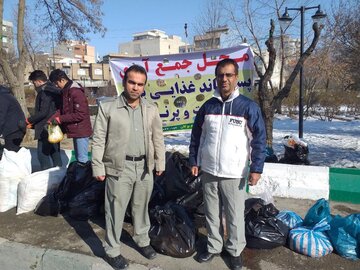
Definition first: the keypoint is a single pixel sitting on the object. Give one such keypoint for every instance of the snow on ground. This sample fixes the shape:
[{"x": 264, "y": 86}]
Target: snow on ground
[{"x": 331, "y": 144}]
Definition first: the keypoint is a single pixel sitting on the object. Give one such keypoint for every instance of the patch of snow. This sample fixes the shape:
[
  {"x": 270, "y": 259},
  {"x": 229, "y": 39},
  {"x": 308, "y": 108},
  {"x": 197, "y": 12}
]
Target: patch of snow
[{"x": 331, "y": 144}]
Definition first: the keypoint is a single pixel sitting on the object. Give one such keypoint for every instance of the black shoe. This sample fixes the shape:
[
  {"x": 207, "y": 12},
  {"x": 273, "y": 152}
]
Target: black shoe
[
  {"x": 235, "y": 262},
  {"x": 117, "y": 263},
  {"x": 148, "y": 252},
  {"x": 206, "y": 257}
]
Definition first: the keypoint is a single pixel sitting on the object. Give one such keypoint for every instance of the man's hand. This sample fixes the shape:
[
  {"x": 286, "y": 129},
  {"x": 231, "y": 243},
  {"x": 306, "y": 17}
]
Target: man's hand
[
  {"x": 100, "y": 178},
  {"x": 158, "y": 173},
  {"x": 28, "y": 124},
  {"x": 54, "y": 121},
  {"x": 254, "y": 178},
  {"x": 195, "y": 170}
]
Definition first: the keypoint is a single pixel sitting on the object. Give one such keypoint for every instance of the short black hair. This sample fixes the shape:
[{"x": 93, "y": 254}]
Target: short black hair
[
  {"x": 225, "y": 62},
  {"x": 135, "y": 68},
  {"x": 58, "y": 74},
  {"x": 37, "y": 75}
]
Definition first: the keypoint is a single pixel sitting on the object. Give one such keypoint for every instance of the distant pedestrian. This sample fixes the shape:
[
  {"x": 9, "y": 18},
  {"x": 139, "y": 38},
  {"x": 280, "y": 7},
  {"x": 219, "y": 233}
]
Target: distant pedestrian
[
  {"x": 12, "y": 120},
  {"x": 48, "y": 100},
  {"x": 227, "y": 139},
  {"x": 127, "y": 145},
  {"x": 74, "y": 115}
]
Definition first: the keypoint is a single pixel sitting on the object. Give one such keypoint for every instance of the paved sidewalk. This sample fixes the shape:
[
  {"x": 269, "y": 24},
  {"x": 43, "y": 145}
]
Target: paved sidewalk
[{"x": 29, "y": 241}]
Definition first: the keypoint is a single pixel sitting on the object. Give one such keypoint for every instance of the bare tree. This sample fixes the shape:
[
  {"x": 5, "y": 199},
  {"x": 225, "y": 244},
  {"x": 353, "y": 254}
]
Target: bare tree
[
  {"x": 249, "y": 25},
  {"x": 211, "y": 18},
  {"x": 67, "y": 18},
  {"x": 344, "y": 25}
]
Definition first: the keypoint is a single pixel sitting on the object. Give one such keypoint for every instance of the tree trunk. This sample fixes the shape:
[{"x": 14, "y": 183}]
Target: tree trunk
[
  {"x": 265, "y": 96},
  {"x": 15, "y": 76}
]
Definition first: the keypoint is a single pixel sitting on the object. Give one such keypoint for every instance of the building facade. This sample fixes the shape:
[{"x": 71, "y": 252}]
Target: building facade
[
  {"x": 7, "y": 37},
  {"x": 211, "y": 39},
  {"x": 72, "y": 51},
  {"x": 152, "y": 42}
]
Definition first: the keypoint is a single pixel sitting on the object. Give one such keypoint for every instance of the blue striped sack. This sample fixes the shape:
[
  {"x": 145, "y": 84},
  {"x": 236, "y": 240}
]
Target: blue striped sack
[
  {"x": 290, "y": 218},
  {"x": 312, "y": 242}
]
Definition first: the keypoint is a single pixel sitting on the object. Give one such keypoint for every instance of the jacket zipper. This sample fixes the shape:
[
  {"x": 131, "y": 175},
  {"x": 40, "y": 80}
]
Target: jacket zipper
[{"x": 219, "y": 139}]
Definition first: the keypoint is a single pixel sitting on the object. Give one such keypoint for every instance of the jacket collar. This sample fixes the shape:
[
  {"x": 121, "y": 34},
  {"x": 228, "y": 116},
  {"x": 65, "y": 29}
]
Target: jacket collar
[
  {"x": 233, "y": 95},
  {"x": 122, "y": 102}
]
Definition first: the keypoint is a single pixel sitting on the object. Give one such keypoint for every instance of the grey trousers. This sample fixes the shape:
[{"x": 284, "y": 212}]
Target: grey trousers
[
  {"x": 133, "y": 185},
  {"x": 228, "y": 193}
]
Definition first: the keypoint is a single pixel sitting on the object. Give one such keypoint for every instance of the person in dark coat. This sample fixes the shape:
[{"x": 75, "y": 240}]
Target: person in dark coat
[
  {"x": 12, "y": 120},
  {"x": 47, "y": 101},
  {"x": 74, "y": 115}
]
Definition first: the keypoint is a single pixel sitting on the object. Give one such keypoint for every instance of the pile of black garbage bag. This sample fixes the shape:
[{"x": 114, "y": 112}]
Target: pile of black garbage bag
[
  {"x": 176, "y": 208},
  {"x": 79, "y": 194},
  {"x": 296, "y": 152},
  {"x": 263, "y": 230}
]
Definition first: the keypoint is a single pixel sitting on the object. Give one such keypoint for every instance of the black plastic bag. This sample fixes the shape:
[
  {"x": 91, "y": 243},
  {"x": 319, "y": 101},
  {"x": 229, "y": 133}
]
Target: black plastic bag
[
  {"x": 79, "y": 194},
  {"x": 194, "y": 205},
  {"x": 88, "y": 203},
  {"x": 270, "y": 155},
  {"x": 296, "y": 151},
  {"x": 178, "y": 179},
  {"x": 262, "y": 229},
  {"x": 48, "y": 206},
  {"x": 297, "y": 155},
  {"x": 172, "y": 232},
  {"x": 78, "y": 177}
]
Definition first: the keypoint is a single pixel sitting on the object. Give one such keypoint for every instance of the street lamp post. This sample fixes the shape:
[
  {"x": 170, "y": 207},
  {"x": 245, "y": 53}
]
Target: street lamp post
[{"x": 285, "y": 21}]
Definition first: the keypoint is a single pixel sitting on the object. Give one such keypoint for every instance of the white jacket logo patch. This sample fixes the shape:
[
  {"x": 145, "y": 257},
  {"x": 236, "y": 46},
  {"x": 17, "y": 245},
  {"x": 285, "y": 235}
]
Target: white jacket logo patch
[{"x": 235, "y": 122}]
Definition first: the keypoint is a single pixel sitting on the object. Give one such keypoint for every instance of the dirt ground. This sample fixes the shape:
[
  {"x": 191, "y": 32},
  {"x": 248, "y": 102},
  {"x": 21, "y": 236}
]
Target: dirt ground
[{"x": 86, "y": 237}]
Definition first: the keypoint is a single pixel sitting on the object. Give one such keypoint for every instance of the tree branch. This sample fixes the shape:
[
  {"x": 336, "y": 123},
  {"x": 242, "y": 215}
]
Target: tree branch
[{"x": 284, "y": 92}]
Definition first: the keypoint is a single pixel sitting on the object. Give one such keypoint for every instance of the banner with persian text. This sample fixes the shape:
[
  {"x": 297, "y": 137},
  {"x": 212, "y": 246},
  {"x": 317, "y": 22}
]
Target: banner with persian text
[{"x": 180, "y": 83}]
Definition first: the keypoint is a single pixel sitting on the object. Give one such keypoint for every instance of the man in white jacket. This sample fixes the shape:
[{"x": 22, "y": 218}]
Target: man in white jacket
[{"x": 227, "y": 139}]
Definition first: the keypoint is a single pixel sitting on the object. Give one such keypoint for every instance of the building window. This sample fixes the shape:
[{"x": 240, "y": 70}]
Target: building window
[
  {"x": 81, "y": 72},
  {"x": 98, "y": 71}
]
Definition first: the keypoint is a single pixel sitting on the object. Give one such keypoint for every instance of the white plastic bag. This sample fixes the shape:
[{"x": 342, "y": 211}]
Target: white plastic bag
[
  {"x": 37, "y": 185},
  {"x": 55, "y": 134},
  {"x": 14, "y": 166}
]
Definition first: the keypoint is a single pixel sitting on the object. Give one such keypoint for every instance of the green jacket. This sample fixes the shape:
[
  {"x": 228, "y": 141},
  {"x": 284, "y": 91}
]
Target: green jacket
[{"x": 111, "y": 134}]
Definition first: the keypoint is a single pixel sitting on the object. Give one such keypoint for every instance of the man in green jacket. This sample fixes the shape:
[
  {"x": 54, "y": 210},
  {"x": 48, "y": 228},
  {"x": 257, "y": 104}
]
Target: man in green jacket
[{"x": 127, "y": 145}]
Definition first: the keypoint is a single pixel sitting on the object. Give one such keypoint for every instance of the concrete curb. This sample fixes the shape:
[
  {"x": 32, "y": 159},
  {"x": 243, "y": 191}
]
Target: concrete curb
[
  {"x": 288, "y": 181},
  {"x": 17, "y": 256},
  {"x": 293, "y": 181}
]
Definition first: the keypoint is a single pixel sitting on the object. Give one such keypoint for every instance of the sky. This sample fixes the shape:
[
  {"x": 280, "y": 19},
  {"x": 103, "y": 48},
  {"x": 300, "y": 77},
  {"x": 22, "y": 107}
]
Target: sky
[{"x": 124, "y": 18}]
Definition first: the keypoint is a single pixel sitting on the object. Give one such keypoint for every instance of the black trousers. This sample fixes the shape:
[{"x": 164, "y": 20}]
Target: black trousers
[{"x": 48, "y": 154}]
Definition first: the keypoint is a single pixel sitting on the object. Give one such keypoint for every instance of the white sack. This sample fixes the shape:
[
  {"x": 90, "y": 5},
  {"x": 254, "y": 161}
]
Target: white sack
[
  {"x": 14, "y": 166},
  {"x": 37, "y": 185}
]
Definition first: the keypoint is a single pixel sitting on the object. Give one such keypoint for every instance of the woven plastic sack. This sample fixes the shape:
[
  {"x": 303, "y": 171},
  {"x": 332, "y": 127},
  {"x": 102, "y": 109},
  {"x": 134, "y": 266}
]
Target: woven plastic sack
[
  {"x": 14, "y": 166},
  {"x": 312, "y": 242},
  {"x": 37, "y": 185},
  {"x": 55, "y": 133},
  {"x": 290, "y": 218}
]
